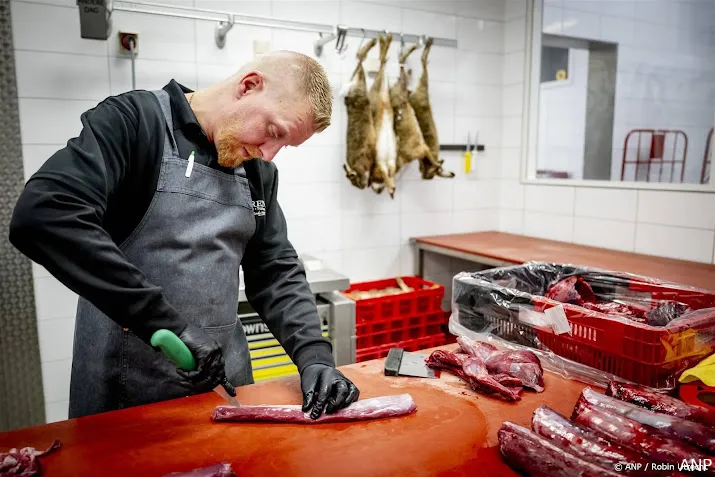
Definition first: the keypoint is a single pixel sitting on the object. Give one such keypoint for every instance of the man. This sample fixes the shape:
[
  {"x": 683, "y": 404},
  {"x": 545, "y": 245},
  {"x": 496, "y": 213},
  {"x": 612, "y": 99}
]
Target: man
[{"x": 148, "y": 214}]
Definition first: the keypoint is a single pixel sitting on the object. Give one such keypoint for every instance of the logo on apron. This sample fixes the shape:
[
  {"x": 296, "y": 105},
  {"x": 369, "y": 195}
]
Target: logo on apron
[{"x": 259, "y": 207}]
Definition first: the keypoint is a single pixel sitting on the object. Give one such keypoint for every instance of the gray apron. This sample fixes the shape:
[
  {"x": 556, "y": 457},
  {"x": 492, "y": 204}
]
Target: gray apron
[{"x": 190, "y": 242}]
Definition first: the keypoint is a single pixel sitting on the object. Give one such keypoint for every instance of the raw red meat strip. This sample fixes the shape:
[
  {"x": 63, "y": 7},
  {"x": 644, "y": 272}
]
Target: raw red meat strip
[
  {"x": 523, "y": 365},
  {"x": 658, "y": 402},
  {"x": 574, "y": 290},
  {"x": 506, "y": 380},
  {"x": 373, "y": 408},
  {"x": 479, "y": 349},
  {"x": 23, "y": 462},
  {"x": 217, "y": 470},
  {"x": 695, "y": 433},
  {"x": 525, "y": 451},
  {"x": 585, "y": 443},
  {"x": 473, "y": 371},
  {"x": 633, "y": 434},
  {"x": 477, "y": 371}
]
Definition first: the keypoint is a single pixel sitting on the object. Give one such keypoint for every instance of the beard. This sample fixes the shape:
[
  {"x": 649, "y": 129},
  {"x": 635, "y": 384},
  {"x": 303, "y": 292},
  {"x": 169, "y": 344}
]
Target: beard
[{"x": 231, "y": 151}]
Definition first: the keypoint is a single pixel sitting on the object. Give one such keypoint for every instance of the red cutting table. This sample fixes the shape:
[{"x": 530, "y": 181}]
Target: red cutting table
[
  {"x": 452, "y": 433},
  {"x": 502, "y": 249}
]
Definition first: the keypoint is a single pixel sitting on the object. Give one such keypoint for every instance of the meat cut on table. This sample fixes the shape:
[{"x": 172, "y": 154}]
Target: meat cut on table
[
  {"x": 472, "y": 370},
  {"x": 23, "y": 462},
  {"x": 520, "y": 364},
  {"x": 586, "y": 444},
  {"x": 221, "y": 469},
  {"x": 658, "y": 402},
  {"x": 692, "y": 432},
  {"x": 528, "y": 452},
  {"x": 363, "y": 410},
  {"x": 628, "y": 432}
]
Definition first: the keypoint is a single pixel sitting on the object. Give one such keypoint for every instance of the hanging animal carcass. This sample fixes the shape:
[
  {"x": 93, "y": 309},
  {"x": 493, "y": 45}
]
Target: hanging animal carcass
[
  {"x": 385, "y": 167},
  {"x": 410, "y": 143},
  {"x": 360, "y": 153},
  {"x": 431, "y": 165}
]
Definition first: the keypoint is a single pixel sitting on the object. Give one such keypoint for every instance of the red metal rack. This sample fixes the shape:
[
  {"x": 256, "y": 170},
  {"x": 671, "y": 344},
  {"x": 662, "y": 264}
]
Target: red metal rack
[{"x": 655, "y": 151}]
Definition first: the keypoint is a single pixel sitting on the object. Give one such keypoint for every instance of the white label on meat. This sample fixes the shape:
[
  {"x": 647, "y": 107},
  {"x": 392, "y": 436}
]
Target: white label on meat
[
  {"x": 557, "y": 317},
  {"x": 533, "y": 318}
]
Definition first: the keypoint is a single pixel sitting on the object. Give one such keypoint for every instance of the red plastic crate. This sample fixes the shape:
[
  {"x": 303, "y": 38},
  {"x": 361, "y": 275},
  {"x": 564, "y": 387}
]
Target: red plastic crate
[
  {"x": 404, "y": 317},
  {"x": 638, "y": 352},
  {"x": 426, "y": 298},
  {"x": 389, "y": 330},
  {"x": 379, "y": 352},
  {"x": 641, "y": 343},
  {"x": 653, "y": 375}
]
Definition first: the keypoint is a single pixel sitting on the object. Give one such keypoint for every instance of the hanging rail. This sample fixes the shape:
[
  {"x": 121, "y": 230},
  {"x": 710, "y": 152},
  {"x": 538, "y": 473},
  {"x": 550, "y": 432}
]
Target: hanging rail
[{"x": 226, "y": 20}]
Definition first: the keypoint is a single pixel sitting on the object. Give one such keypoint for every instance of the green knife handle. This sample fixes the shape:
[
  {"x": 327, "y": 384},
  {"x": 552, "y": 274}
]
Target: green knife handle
[{"x": 174, "y": 349}]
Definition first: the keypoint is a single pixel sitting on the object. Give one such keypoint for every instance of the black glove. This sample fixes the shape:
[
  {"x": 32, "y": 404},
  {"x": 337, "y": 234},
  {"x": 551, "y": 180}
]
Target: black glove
[
  {"x": 326, "y": 388},
  {"x": 210, "y": 368}
]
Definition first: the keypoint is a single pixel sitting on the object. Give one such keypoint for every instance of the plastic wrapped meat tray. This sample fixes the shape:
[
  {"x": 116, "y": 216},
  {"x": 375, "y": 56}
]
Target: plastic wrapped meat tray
[{"x": 586, "y": 323}]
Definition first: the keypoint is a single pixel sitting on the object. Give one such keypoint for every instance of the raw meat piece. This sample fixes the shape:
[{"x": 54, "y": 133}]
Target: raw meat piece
[
  {"x": 476, "y": 348},
  {"x": 23, "y": 462},
  {"x": 523, "y": 364},
  {"x": 525, "y": 451},
  {"x": 629, "y": 311},
  {"x": 633, "y": 434},
  {"x": 506, "y": 380},
  {"x": 373, "y": 408},
  {"x": 216, "y": 470},
  {"x": 695, "y": 433},
  {"x": 585, "y": 443},
  {"x": 658, "y": 402},
  {"x": 475, "y": 369},
  {"x": 665, "y": 313},
  {"x": 574, "y": 290},
  {"x": 472, "y": 370}
]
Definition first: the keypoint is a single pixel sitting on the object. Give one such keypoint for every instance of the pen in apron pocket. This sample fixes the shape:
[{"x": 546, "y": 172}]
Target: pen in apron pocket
[{"x": 191, "y": 164}]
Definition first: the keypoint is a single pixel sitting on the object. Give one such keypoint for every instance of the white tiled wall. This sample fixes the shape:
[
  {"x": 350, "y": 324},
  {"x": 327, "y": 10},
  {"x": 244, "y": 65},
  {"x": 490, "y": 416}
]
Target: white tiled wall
[
  {"x": 326, "y": 215},
  {"x": 671, "y": 224}
]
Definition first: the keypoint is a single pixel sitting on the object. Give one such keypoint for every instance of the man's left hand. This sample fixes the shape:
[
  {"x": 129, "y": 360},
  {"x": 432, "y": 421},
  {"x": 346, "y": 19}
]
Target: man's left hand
[{"x": 326, "y": 388}]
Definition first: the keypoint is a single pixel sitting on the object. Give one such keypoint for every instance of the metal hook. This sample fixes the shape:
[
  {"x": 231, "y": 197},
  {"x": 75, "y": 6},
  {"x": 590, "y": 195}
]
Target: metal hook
[
  {"x": 322, "y": 41},
  {"x": 221, "y": 30},
  {"x": 340, "y": 45},
  {"x": 363, "y": 38}
]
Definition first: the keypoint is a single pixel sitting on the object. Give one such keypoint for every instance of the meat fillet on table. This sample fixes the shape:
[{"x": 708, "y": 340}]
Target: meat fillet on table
[
  {"x": 628, "y": 432},
  {"x": 659, "y": 402},
  {"x": 528, "y": 452},
  {"x": 366, "y": 409},
  {"x": 693, "y": 432},
  {"x": 588, "y": 445}
]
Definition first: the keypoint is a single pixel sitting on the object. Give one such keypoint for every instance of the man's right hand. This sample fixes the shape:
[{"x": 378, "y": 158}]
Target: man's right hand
[{"x": 210, "y": 367}]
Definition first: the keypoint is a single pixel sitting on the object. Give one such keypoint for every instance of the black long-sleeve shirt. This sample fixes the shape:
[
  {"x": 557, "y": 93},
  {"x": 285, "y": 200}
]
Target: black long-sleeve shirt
[{"x": 90, "y": 195}]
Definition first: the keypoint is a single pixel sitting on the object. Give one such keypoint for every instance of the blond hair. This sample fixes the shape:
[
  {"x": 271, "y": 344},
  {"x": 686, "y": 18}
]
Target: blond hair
[{"x": 309, "y": 77}]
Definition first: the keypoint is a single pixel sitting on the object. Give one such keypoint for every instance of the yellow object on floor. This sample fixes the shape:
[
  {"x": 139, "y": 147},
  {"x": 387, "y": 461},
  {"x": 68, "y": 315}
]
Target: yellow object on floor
[{"x": 703, "y": 371}]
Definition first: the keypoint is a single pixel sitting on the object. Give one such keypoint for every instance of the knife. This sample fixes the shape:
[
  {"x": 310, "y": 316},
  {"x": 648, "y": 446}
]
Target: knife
[{"x": 178, "y": 353}]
